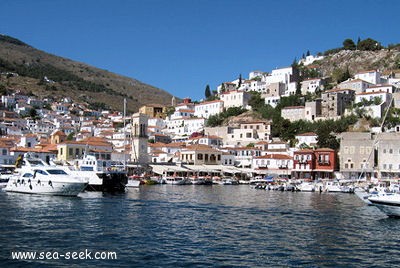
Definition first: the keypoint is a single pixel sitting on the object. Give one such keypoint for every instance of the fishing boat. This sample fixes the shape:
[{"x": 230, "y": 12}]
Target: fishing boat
[
  {"x": 103, "y": 175},
  {"x": 34, "y": 176}
]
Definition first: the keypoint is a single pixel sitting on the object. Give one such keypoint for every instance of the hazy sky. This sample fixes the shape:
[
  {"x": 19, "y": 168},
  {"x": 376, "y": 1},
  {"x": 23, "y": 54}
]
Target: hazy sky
[{"x": 183, "y": 45}]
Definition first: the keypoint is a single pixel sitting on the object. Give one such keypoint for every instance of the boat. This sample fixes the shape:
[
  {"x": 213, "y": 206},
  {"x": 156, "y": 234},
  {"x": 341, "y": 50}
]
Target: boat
[
  {"x": 4, "y": 177},
  {"x": 306, "y": 186},
  {"x": 175, "y": 180},
  {"x": 133, "y": 182},
  {"x": 228, "y": 181},
  {"x": 195, "y": 180},
  {"x": 103, "y": 175},
  {"x": 34, "y": 176},
  {"x": 388, "y": 203}
]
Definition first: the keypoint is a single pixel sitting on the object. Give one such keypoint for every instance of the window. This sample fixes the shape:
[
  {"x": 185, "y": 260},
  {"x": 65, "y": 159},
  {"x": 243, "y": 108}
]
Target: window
[
  {"x": 384, "y": 151},
  {"x": 70, "y": 151},
  {"x": 4, "y": 151},
  {"x": 390, "y": 151}
]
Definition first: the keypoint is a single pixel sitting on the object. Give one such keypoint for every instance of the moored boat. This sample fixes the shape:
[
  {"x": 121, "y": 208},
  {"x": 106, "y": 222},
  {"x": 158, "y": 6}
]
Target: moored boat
[
  {"x": 34, "y": 176},
  {"x": 388, "y": 203}
]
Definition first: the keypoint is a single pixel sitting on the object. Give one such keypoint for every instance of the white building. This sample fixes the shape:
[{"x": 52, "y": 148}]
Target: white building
[
  {"x": 311, "y": 85},
  {"x": 206, "y": 109},
  {"x": 293, "y": 113},
  {"x": 372, "y": 76},
  {"x": 378, "y": 88},
  {"x": 235, "y": 99},
  {"x": 358, "y": 85},
  {"x": 310, "y": 139}
]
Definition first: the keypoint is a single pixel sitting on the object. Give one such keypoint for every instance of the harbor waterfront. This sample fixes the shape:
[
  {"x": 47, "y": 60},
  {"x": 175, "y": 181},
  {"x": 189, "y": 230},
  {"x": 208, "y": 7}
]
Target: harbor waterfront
[{"x": 199, "y": 226}]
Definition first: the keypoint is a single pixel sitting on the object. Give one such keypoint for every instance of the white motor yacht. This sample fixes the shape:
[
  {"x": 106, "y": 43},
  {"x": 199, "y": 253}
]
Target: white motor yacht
[
  {"x": 389, "y": 203},
  {"x": 34, "y": 176}
]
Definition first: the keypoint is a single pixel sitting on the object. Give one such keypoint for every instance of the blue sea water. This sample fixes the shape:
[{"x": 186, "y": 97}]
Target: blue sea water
[{"x": 199, "y": 226}]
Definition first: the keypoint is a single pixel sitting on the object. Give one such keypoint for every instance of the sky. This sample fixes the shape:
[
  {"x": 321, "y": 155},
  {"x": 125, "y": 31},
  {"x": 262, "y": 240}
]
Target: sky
[{"x": 182, "y": 46}]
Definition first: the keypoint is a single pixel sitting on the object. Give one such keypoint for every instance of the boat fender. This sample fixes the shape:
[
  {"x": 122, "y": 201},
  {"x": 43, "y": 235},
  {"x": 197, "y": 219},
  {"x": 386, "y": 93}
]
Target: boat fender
[
  {"x": 18, "y": 181},
  {"x": 38, "y": 182},
  {"x": 23, "y": 181},
  {"x": 29, "y": 180},
  {"x": 50, "y": 183},
  {"x": 30, "y": 186}
]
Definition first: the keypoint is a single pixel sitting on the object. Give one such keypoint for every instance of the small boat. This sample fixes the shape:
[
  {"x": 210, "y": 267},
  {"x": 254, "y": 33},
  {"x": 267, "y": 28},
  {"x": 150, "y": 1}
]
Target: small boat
[
  {"x": 175, "y": 180},
  {"x": 333, "y": 187},
  {"x": 197, "y": 180},
  {"x": 34, "y": 176},
  {"x": 389, "y": 203},
  {"x": 306, "y": 186},
  {"x": 133, "y": 182}
]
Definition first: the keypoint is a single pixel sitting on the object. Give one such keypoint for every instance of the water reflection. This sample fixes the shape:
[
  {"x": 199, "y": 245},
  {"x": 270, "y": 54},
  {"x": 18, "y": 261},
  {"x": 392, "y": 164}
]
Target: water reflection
[{"x": 165, "y": 226}]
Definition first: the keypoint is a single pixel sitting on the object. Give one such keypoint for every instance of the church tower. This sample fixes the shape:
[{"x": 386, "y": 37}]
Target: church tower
[{"x": 139, "y": 138}]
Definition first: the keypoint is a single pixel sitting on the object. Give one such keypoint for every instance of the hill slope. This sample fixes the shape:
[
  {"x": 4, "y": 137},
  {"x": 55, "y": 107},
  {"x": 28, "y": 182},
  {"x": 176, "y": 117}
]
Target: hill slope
[
  {"x": 77, "y": 80},
  {"x": 357, "y": 61}
]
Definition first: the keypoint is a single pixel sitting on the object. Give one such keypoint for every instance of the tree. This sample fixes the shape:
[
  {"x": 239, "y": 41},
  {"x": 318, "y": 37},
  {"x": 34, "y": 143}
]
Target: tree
[
  {"x": 240, "y": 81},
  {"x": 348, "y": 44},
  {"x": 369, "y": 45},
  {"x": 207, "y": 92},
  {"x": 223, "y": 88},
  {"x": 308, "y": 53}
]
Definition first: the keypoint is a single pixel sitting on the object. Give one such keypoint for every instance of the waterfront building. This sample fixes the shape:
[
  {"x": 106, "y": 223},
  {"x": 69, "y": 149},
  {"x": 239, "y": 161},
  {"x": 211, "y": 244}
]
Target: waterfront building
[
  {"x": 303, "y": 164},
  {"x": 356, "y": 157},
  {"x": 273, "y": 164},
  {"x": 314, "y": 164},
  {"x": 200, "y": 154},
  {"x": 388, "y": 153}
]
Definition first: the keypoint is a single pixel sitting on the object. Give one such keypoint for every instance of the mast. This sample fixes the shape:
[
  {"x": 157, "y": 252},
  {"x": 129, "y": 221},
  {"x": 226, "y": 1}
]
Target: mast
[{"x": 124, "y": 151}]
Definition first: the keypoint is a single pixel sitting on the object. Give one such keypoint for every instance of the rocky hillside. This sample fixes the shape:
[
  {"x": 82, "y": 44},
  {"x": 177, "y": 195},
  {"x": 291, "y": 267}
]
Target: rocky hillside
[
  {"x": 356, "y": 61},
  {"x": 66, "y": 77}
]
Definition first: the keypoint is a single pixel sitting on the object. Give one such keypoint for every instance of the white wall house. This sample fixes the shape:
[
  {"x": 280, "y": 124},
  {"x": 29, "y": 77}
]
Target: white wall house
[
  {"x": 372, "y": 76},
  {"x": 309, "y": 139},
  {"x": 377, "y": 88},
  {"x": 358, "y": 85},
  {"x": 293, "y": 113},
  {"x": 273, "y": 163},
  {"x": 311, "y": 85},
  {"x": 206, "y": 109},
  {"x": 235, "y": 99}
]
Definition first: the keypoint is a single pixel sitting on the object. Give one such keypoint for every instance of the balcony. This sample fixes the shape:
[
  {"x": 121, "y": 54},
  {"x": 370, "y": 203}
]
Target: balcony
[{"x": 324, "y": 163}]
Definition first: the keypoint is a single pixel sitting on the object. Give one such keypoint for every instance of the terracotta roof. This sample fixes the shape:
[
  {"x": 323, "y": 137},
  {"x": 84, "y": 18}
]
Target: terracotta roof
[
  {"x": 274, "y": 156},
  {"x": 294, "y": 107},
  {"x": 307, "y": 134},
  {"x": 371, "y": 93}
]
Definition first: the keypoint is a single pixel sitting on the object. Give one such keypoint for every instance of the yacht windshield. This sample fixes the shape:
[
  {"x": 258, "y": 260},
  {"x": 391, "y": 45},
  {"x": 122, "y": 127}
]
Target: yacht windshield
[{"x": 56, "y": 172}]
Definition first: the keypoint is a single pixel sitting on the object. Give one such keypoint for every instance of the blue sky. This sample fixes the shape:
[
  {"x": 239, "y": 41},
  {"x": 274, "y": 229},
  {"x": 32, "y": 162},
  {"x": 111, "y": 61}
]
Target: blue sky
[{"x": 183, "y": 45}]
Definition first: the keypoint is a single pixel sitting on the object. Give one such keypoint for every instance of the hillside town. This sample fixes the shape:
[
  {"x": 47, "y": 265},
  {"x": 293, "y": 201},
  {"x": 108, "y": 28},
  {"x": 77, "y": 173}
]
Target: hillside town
[{"x": 158, "y": 138}]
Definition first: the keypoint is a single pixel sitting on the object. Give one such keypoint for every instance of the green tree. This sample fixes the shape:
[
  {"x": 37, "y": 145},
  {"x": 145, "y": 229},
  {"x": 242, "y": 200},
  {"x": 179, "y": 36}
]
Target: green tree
[
  {"x": 207, "y": 92},
  {"x": 369, "y": 44},
  {"x": 348, "y": 44},
  {"x": 240, "y": 81},
  {"x": 70, "y": 136},
  {"x": 308, "y": 53}
]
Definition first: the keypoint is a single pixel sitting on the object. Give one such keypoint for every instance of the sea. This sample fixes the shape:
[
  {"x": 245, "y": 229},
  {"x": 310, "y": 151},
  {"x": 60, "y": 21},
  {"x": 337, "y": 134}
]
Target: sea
[{"x": 196, "y": 226}]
